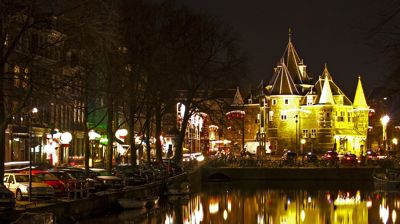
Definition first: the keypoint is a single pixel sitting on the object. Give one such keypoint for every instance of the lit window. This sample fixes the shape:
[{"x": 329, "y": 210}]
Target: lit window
[
  {"x": 283, "y": 116},
  {"x": 309, "y": 100},
  {"x": 16, "y": 69},
  {"x": 305, "y": 133},
  {"x": 313, "y": 133}
]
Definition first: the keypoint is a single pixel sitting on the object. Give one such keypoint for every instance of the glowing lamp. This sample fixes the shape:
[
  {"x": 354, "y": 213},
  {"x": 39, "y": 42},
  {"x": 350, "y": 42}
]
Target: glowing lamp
[{"x": 66, "y": 138}]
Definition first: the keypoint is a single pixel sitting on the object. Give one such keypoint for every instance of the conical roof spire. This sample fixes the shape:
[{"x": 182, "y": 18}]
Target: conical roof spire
[
  {"x": 326, "y": 94},
  {"x": 237, "y": 100},
  {"x": 326, "y": 73},
  {"x": 282, "y": 83},
  {"x": 359, "y": 98},
  {"x": 294, "y": 63}
]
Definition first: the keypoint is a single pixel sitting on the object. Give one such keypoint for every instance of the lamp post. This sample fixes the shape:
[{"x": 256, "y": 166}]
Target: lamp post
[
  {"x": 297, "y": 121},
  {"x": 92, "y": 137},
  {"x": 395, "y": 142},
  {"x": 302, "y": 141},
  {"x": 384, "y": 120},
  {"x": 34, "y": 111}
]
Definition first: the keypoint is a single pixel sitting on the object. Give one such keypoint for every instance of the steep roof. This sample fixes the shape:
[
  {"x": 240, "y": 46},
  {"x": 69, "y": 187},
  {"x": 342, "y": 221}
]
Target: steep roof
[
  {"x": 294, "y": 64},
  {"x": 334, "y": 88},
  {"x": 359, "y": 98},
  {"x": 237, "y": 99},
  {"x": 282, "y": 82},
  {"x": 326, "y": 94}
]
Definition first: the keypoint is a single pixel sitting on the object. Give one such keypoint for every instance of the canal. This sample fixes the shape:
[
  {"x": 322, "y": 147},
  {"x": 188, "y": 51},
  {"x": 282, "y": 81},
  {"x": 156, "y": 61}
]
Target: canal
[{"x": 268, "y": 202}]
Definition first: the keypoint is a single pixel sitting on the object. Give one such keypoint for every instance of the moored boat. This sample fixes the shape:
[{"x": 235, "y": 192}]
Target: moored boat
[
  {"x": 130, "y": 203},
  {"x": 388, "y": 180},
  {"x": 152, "y": 201}
]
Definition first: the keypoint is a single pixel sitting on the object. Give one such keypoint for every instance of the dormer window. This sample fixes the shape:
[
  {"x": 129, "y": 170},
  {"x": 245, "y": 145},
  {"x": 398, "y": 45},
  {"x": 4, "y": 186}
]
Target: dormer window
[{"x": 309, "y": 100}]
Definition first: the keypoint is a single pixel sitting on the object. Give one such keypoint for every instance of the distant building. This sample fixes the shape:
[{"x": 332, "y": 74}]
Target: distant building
[{"x": 301, "y": 115}]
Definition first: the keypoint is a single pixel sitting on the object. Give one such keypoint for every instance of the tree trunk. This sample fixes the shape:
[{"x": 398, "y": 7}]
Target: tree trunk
[
  {"x": 110, "y": 136},
  {"x": 131, "y": 123},
  {"x": 147, "y": 128},
  {"x": 86, "y": 143},
  {"x": 181, "y": 138},
  {"x": 158, "y": 132},
  {"x": 3, "y": 127}
]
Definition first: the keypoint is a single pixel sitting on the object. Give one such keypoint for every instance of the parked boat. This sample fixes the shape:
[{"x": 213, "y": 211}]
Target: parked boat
[
  {"x": 387, "y": 180},
  {"x": 178, "y": 189},
  {"x": 130, "y": 203},
  {"x": 152, "y": 201}
]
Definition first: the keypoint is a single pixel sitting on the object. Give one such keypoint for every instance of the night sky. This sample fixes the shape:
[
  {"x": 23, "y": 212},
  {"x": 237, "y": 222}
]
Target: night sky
[{"x": 333, "y": 32}]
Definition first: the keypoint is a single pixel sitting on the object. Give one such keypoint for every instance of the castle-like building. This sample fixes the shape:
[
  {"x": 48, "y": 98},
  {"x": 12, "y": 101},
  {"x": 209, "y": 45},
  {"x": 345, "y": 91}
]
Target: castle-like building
[{"x": 302, "y": 115}]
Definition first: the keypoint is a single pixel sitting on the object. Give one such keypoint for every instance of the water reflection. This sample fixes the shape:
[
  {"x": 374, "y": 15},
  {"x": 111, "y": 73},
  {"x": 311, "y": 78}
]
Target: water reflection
[{"x": 245, "y": 204}]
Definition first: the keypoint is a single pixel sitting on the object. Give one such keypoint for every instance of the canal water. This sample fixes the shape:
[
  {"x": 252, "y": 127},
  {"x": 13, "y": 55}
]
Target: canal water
[{"x": 269, "y": 202}]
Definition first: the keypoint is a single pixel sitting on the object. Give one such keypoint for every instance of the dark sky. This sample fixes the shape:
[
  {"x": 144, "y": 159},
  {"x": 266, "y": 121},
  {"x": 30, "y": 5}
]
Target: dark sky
[{"x": 332, "y": 32}]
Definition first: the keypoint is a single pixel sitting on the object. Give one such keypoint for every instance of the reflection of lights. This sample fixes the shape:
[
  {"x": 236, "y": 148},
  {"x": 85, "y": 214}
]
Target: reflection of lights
[
  {"x": 347, "y": 200},
  {"x": 369, "y": 204},
  {"x": 328, "y": 198},
  {"x": 394, "y": 216},
  {"x": 302, "y": 215},
  {"x": 225, "y": 214},
  {"x": 213, "y": 207},
  {"x": 397, "y": 204},
  {"x": 169, "y": 219},
  {"x": 383, "y": 213},
  {"x": 288, "y": 201},
  {"x": 309, "y": 199},
  {"x": 260, "y": 219},
  {"x": 229, "y": 205}
]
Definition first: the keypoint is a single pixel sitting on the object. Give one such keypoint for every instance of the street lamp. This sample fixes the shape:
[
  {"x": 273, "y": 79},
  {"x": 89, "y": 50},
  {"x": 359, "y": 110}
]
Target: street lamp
[
  {"x": 30, "y": 114},
  {"x": 384, "y": 120},
  {"x": 302, "y": 141},
  {"x": 92, "y": 137}
]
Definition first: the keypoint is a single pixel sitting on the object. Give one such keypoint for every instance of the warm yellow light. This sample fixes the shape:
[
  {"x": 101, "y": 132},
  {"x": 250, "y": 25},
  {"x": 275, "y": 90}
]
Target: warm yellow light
[
  {"x": 303, "y": 215},
  {"x": 303, "y": 141},
  {"x": 395, "y": 141},
  {"x": 213, "y": 207},
  {"x": 225, "y": 214},
  {"x": 384, "y": 120},
  {"x": 394, "y": 216}
]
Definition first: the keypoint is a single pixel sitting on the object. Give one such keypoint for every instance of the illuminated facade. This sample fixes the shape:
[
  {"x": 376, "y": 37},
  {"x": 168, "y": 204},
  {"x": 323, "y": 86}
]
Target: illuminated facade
[{"x": 301, "y": 115}]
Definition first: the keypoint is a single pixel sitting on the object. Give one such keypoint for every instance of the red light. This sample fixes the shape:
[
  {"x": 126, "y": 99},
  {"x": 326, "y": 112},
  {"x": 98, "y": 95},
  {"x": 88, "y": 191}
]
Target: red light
[{"x": 348, "y": 158}]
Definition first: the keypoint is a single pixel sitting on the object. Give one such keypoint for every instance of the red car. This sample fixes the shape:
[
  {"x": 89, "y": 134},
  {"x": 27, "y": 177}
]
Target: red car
[
  {"x": 349, "y": 159},
  {"x": 330, "y": 156},
  {"x": 72, "y": 184},
  {"x": 52, "y": 180}
]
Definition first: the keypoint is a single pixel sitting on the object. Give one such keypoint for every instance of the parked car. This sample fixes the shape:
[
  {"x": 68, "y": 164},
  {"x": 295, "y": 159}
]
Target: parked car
[
  {"x": 289, "y": 157},
  {"x": 330, "y": 156},
  {"x": 91, "y": 184},
  {"x": 311, "y": 157},
  {"x": 7, "y": 198},
  {"x": 18, "y": 183},
  {"x": 71, "y": 184},
  {"x": 52, "y": 180},
  {"x": 349, "y": 159}
]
